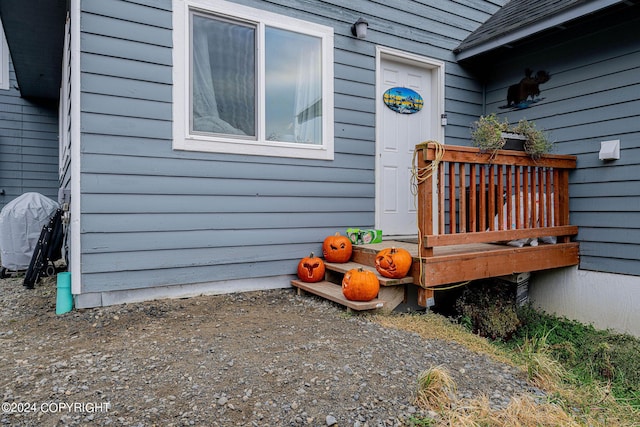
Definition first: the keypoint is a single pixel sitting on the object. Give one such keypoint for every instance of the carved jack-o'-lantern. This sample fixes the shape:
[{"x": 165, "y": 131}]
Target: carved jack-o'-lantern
[
  {"x": 311, "y": 269},
  {"x": 337, "y": 248},
  {"x": 393, "y": 262},
  {"x": 360, "y": 285}
]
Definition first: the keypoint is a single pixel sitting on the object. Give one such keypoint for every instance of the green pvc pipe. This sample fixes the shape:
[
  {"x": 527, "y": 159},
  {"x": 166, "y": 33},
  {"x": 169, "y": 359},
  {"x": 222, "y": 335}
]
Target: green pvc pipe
[{"x": 64, "y": 299}]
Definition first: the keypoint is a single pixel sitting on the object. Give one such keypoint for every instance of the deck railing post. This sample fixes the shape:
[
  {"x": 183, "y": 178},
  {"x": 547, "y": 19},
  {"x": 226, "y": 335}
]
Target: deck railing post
[
  {"x": 440, "y": 200},
  {"x": 563, "y": 201},
  {"x": 425, "y": 200}
]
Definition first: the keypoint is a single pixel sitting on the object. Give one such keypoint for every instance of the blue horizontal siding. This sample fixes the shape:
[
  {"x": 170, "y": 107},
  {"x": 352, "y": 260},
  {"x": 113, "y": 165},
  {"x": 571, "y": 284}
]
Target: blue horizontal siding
[
  {"x": 167, "y": 221},
  {"x": 170, "y": 274},
  {"x": 228, "y": 258},
  {"x": 198, "y": 241},
  {"x": 154, "y": 216},
  {"x": 132, "y": 203},
  {"x": 126, "y": 88},
  {"x": 28, "y": 145},
  {"x": 207, "y": 186},
  {"x": 125, "y": 68},
  {"x": 106, "y": 105},
  {"x": 148, "y": 34}
]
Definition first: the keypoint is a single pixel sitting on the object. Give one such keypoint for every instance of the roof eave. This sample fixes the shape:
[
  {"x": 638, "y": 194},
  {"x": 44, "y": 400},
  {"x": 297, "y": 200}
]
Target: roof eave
[
  {"x": 34, "y": 30},
  {"x": 529, "y": 30}
]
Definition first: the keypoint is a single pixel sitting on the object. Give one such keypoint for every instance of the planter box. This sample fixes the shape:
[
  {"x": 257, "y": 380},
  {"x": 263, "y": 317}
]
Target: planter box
[{"x": 513, "y": 141}]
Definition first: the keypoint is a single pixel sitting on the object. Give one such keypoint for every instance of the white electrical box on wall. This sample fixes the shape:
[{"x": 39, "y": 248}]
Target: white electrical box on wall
[{"x": 610, "y": 150}]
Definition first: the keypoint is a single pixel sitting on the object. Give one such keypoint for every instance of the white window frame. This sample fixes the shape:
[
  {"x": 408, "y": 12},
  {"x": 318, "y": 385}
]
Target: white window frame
[
  {"x": 183, "y": 139},
  {"x": 4, "y": 61}
]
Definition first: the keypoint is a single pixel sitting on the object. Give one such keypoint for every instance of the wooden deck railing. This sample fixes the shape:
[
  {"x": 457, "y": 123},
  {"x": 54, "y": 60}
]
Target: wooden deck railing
[{"x": 480, "y": 198}]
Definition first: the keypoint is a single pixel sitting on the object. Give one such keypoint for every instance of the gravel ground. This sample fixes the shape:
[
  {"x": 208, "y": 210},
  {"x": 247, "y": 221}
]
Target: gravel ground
[{"x": 255, "y": 359}]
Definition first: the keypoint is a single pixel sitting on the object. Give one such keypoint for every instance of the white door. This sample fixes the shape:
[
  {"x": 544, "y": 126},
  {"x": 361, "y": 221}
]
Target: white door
[{"x": 397, "y": 137}]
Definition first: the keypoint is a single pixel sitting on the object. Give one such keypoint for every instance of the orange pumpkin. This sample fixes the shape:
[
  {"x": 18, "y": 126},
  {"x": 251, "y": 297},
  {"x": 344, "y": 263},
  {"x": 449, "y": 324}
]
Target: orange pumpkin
[
  {"x": 311, "y": 269},
  {"x": 337, "y": 248},
  {"x": 394, "y": 263},
  {"x": 360, "y": 285}
]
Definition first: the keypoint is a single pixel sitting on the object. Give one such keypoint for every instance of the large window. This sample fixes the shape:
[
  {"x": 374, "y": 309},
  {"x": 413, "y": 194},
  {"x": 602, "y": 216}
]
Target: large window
[{"x": 251, "y": 82}]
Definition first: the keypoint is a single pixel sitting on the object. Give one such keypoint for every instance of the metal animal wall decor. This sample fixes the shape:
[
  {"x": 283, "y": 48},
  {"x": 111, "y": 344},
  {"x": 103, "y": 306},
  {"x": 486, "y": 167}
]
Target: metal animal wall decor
[{"x": 526, "y": 92}]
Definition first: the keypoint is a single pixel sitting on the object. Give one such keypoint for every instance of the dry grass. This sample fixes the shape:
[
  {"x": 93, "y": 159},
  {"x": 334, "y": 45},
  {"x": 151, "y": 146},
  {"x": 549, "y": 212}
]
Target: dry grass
[
  {"x": 567, "y": 405},
  {"x": 523, "y": 411},
  {"x": 436, "y": 392},
  {"x": 542, "y": 369},
  {"x": 436, "y": 389},
  {"x": 433, "y": 326}
]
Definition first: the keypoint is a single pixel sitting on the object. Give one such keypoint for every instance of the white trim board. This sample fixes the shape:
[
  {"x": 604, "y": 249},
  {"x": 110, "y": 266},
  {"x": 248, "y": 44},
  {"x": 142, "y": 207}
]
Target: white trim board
[{"x": 75, "y": 224}]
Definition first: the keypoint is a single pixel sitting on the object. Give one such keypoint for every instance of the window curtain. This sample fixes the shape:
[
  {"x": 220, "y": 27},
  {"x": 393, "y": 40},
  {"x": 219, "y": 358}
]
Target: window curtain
[
  {"x": 218, "y": 104},
  {"x": 308, "y": 99}
]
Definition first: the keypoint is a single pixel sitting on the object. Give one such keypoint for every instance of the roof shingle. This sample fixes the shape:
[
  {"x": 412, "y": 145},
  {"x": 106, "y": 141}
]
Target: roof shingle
[{"x": 521, "y": 18}]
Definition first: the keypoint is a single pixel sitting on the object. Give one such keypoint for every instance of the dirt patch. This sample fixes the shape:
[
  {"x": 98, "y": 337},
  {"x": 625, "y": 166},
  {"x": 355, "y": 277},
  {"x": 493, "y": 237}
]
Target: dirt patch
[{"x": 262, "y": 358}]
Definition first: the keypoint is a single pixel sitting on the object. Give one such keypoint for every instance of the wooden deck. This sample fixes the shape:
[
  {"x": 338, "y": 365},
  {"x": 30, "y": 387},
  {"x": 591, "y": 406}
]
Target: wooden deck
[
  {"x": 469, "y": 204},
  {"x": 473, "y": 261},
  {"x": 469, "y": 200},
  {"x": 448, "y": 265}
]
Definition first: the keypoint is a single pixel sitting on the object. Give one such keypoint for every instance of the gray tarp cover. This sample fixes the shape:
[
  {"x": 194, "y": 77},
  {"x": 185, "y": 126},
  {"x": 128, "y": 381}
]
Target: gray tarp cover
[{"x": 21, "y": 222}]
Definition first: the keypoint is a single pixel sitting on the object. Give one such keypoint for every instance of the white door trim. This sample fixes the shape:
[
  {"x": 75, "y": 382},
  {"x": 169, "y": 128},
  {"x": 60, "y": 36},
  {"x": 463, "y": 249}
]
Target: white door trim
[{"x": 437, "y": 88}]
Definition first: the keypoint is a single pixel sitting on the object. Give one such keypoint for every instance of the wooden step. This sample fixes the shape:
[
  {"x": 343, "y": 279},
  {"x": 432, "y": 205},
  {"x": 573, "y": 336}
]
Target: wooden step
[
  {"x": 333, "y": 292},
  {"x": 384, "y": 281},
  {"x": 392, "y": 291}
]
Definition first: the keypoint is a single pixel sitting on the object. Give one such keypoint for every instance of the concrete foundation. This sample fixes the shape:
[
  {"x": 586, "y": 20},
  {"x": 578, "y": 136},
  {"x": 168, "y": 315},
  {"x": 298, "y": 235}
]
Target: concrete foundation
[{"x": 605, "y": 300}]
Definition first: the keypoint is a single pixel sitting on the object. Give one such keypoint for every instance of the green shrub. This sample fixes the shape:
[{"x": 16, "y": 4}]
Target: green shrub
[{"x": 489, "y": 307}]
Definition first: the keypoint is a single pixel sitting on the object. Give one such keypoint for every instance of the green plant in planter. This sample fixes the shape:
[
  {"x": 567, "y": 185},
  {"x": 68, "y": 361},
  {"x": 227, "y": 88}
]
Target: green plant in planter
[
  {"x": 537, "y": 141},
  {"x": 487, "y": 133}
]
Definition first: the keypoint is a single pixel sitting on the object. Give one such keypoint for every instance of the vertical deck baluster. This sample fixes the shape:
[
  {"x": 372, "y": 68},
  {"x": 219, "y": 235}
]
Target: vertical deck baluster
[
  {"x": 519, "y": 195},
  {"x": 499, "y": 198},
  {"x": 463, "y": 198},
  {"x": 482, "y": 208},
  {"x": 509, "y": 198},
  {"x": 452, "y": 197},
  {"x": 548, "y": 199},
  {"x": 526, "y": 212},
  {"x": 441, "y": 197},
  {"x": 556, "y": 198},
  {"x": 534, "y": 206},
  {"x": 473, "y": 208},
  {"x": 491, "y": 211},
  {"x": 540, "y": 197}
]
